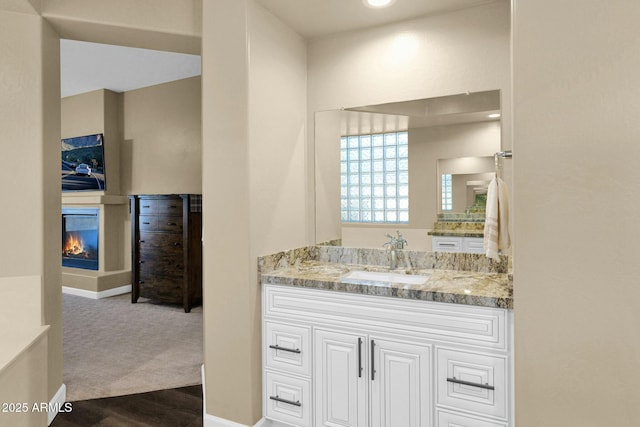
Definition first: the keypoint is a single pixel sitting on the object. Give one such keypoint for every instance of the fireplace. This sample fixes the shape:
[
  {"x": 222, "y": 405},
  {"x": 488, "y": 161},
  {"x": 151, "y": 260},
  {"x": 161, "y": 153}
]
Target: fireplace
[{"x": 80, "y": 230}]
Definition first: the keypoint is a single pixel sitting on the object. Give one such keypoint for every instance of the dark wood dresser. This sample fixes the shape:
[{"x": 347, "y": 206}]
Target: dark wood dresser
[{"x": 166, "y": 248}]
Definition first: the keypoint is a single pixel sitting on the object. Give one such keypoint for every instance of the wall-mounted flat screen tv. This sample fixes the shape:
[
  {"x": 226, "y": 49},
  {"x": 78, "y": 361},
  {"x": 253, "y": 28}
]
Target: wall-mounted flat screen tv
[{"x": 83, "y": 163}]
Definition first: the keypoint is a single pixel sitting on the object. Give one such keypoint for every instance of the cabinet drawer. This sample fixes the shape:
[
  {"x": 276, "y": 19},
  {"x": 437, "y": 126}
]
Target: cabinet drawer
[
  {"x": 161, "y": 266},
  {"x": 288, "y": 399},
  {"x": 288, "y": 348},
  {"x": 484, "y": 382},
  {"x": 474, "y": 245},
  {"x": 171, "y": 207},
  {"x": 448, "y": 419},
  {"x": 446, "y": 244}
]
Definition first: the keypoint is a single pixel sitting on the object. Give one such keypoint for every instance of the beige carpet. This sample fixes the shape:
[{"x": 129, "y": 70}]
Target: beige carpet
[{"x": 113, "y": 347}]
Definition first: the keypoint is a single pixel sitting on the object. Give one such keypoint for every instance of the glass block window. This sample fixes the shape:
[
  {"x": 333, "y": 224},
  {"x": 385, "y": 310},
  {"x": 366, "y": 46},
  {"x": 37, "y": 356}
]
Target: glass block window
[
  {"x": 447, "y": 192},
  {"x": 375, "y": 178}
]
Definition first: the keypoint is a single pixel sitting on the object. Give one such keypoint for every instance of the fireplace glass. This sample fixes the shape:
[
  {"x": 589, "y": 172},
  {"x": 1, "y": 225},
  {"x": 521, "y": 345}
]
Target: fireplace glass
[{"x": 80, "y": 230}]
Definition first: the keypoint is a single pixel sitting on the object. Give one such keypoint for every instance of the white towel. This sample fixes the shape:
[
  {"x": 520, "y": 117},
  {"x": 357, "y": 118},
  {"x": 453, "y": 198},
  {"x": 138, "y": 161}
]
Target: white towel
[{"x": 496, "y": 224}]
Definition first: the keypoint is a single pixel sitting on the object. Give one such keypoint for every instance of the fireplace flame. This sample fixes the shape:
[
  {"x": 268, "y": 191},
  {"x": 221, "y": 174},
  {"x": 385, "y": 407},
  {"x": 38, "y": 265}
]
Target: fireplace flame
[{"x": 73, "y": 245}]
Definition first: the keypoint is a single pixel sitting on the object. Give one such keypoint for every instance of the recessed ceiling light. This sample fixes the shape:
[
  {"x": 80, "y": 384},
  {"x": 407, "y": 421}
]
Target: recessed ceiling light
[
  {"x": 377, "y": 3},
  {"x": 494, "y": 115}
]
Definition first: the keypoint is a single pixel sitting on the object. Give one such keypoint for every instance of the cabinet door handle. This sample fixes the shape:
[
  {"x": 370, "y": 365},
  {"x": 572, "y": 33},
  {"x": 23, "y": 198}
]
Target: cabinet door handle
[
  {"x": 359, "y": 357},
  {"x": 457, "y": 381},
  {"x": 373, "y": 370},
  {"x": 290, "y": 350},
  {"x": 289, "y": 402}
]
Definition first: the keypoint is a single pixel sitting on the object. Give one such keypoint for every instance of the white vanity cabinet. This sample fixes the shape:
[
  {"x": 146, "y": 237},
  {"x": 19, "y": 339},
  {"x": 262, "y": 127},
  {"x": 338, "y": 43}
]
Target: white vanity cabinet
[
  {"x": 365, "y": 380},
  {"x": 342, "y": 359},
  {"x": 472, "y": 245}
]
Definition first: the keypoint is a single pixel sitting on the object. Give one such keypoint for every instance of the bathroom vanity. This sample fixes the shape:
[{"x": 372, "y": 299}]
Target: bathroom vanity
[{"x": 353, "y": 345}]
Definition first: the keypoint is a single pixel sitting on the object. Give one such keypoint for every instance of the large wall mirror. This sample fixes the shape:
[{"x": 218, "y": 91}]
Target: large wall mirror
[{"x": 386, "y": 162}]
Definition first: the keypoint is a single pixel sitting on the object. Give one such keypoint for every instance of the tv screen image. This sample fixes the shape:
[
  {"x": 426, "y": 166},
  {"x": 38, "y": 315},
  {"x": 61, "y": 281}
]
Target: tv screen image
[{"x": 83, "y": 163}]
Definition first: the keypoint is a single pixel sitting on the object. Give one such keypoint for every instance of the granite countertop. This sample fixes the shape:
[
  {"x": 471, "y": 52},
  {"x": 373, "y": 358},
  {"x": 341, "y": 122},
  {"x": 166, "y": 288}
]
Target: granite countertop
[
  {"x": 450, "y": 286},
  {"x": 456, "y": 233}
]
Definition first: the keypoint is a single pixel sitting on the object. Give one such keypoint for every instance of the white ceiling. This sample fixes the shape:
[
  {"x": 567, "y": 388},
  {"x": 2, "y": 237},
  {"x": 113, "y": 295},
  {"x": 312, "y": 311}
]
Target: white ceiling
[
  {"x": 91, "y": 66},
  {"x": 317, "y": 18}
]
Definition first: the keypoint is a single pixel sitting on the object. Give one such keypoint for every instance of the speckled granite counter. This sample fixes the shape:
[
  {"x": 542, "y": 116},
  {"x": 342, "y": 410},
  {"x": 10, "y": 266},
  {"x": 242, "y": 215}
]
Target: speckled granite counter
[
  {"x": 451, "y": 286},
  {"x": 456, "y": 233}
]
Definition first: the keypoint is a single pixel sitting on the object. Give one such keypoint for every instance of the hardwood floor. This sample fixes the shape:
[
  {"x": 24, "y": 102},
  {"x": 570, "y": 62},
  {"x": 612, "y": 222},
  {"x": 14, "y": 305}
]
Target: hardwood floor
[{"x": 178, "y": 407}]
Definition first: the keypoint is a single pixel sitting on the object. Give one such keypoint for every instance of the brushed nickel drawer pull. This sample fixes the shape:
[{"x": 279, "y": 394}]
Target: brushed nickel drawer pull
[
  {"x": 141, "y": 241},
  {"x": 457, "y": 381},
  {"x": 289, "y": 402},
  {"x": 290, "y": 350},
  {"x": 176, "y": 244},
  {"x": 146, "y": 223},
  {"x": 446, "y": 244},
  {"x": 140, "y": 281},
  {"x": 171, "y": 223},
  {"x": 146, "y": 206},
  {"x": 172, "y": 207},
  {"x": 141, "y": 261}
]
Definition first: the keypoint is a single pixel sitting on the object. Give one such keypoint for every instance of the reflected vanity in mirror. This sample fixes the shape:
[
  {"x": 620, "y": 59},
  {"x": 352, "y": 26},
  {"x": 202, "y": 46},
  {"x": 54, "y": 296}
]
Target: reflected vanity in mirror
[{"x": 380, "y": 168}]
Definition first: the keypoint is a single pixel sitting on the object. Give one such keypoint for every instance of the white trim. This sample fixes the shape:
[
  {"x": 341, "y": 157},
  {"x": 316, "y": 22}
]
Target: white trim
[
  {"x": 96, "y": 295},
  {"x": 213, "y": 421},
  {"x": 57, "y": 401}
]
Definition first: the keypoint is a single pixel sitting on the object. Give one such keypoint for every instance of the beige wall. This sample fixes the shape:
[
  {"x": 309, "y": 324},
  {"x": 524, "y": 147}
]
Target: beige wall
[
  {"x": 254, "y": 188},
  {"x": 99, "y": 111},
  {"x": 576, "y": 174},
  {"x": 173, "y": 25},
  {"x": 30, "y": 123},
  {"x": 162, "y": 147},
  {"x": 396, "y": 63}
]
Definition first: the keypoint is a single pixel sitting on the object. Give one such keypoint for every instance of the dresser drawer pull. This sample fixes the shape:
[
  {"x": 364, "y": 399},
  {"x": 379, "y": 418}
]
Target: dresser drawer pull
[
  {"x": 146, "y": 223},
  {"x": 172, "y": 207},
  {"x": 171, "y": 223},
  {"x": 141, "y": 241},
  {"x": 289, "y": 402},
  {"x": 141, "y": 261},
  {"x": 176, "y": 244},
  {"x": 140, "y": 281},
  {"x": 290, "y": 350},
  {"x": 146, "y": 206},
  {"x": 456, "y": 381}
]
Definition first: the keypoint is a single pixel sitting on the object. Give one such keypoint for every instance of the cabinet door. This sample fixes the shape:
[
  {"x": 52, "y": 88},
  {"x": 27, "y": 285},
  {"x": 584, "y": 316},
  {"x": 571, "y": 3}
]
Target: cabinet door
[
  {"x": 400, "y": 384},
  {"x": 340, "y": 379}
]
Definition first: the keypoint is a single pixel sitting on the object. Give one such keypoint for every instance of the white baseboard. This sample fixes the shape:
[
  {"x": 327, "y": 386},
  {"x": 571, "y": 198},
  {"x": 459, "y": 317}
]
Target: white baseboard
[
  {"x": 213, "y": 421},
  {"x": 96, "y": 295},
  {"x": 57, "y": 401}
]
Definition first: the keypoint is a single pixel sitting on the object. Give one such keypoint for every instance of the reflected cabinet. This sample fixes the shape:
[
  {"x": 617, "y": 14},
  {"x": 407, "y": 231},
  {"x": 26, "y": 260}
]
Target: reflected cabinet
[{"x": 166, "y": 248}]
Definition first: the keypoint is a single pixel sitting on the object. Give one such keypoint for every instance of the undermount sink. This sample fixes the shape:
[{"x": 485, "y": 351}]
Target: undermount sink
[{"x": 383, "y": 276}]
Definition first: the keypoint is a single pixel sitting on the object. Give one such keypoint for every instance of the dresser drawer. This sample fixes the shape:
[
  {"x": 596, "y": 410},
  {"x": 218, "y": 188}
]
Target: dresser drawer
[
  {"x": 161, "y": 266},
  {"x": 472, "y": 382},
  {"x": 158, "y": 287},
  {"x": 170, "y": 224},
  {"x": 288, "y": 348},
  {"x": 154, "y": 242},
  {"x": 148, "y": 222},
  {"x": 448, "y": 419},
  {"x": 171, "y": 207},
  {"x": 288, "y": 399},
  {"x": 147, "y": 206}
]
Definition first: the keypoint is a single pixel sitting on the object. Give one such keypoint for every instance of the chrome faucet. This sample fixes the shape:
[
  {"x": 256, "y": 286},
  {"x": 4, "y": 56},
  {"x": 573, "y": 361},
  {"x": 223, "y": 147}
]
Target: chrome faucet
[{"x": 395, "y": 243}]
